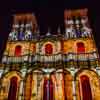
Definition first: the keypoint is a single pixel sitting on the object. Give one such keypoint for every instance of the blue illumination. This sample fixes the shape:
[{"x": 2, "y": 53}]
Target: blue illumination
[{"x": 21, "y": 36}]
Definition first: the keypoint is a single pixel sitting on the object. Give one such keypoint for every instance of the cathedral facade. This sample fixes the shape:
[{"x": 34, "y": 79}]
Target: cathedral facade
[{"x": 64, "y": 66}]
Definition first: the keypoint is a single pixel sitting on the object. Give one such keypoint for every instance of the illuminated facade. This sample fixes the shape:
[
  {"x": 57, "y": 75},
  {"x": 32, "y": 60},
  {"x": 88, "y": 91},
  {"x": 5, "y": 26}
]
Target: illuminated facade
[{"x": 50, "y": 67}]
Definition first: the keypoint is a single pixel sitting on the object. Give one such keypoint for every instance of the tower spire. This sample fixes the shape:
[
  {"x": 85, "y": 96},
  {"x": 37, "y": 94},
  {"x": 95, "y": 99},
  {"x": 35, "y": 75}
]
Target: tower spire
[{"x": 48, "y": 33}]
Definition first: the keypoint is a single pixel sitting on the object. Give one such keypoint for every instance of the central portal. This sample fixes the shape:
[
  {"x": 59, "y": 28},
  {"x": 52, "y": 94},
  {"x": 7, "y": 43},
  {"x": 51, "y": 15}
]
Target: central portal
[{"x": 48, "y": 89}]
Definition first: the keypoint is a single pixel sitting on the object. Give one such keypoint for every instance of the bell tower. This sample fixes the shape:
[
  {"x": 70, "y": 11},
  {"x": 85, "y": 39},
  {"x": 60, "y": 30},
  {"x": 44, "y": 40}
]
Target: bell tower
[
  {"x": 20, "y": 45},
  {"x": 80, "y": 54}
]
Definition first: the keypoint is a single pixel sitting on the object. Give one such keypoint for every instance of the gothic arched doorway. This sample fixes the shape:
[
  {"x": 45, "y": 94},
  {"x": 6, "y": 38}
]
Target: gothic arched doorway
[
  {"x": 48, "y": 89},
  {"x": 86, "y": 88},
  {"x": 13, "y": 89},
  {"x": 86, "y": 81}
]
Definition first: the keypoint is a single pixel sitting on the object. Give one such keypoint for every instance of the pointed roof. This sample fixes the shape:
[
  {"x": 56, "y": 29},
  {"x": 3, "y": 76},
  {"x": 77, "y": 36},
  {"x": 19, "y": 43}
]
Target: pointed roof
[{"x": 48, "y": 33}]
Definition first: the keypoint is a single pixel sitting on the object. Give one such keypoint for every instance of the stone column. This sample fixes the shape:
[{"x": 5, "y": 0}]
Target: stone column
[
  {"x": 21, "y": 85},
  {"x": 21, "y": 89},
  {"x": 73, "y": 71},
  {"x": 74, "y": 89}
]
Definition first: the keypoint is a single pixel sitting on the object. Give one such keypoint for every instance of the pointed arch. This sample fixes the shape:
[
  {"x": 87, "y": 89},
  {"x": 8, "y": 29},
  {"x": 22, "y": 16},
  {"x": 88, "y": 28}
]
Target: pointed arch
[
  {"x": 80, "y": 47},
  {"x": 18, "y": 50},
  {"x": 86, "y": 88},
  {"x": 13, "y": 88},
  {"x": 11, "y": 81},
  {"x": 86, "y": 81}
]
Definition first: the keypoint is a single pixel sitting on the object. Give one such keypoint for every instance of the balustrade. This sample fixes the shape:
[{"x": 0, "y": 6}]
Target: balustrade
[{"x": 70, "y": 59}]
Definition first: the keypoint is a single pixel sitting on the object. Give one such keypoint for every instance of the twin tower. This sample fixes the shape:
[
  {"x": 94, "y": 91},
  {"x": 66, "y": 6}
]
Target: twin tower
[{"x": 64, "y": 66}]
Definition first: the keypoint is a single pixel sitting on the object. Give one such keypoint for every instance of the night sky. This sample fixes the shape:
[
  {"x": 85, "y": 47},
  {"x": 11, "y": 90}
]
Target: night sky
[{"x": 49, "y": 13}]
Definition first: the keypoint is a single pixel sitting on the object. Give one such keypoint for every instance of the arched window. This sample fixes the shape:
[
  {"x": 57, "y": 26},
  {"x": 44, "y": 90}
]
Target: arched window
[
  {"x": 48, "y": 89},
  {"x": 34, "y": 48},
  {"x": 18, "y": 50},
  {"x": 86, "y": 89},
  {"x": 48, "y": 49},
  {"x": 80, "y": 47},
  {"x": 12, "y": 89}
]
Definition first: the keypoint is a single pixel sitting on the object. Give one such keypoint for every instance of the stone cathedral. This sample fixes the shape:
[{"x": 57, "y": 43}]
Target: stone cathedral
[{"x": 64, "y": 66}]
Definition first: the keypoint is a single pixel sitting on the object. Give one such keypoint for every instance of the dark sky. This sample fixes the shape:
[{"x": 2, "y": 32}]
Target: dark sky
[{"x": 49, "y": 13}]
